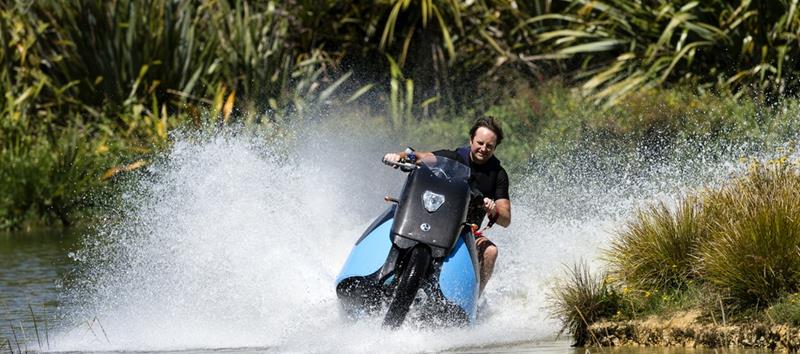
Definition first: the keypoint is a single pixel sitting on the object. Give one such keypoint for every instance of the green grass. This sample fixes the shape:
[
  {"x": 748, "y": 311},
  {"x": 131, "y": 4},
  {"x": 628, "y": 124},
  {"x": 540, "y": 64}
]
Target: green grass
[
  {"x": 754, "y": 223},
  {"x": 656, "y": 248},
  {"x": 638, "y": 303},
  {"x": 730, "y": 251},
  {"x": 583, "y": 299},
  {"x": 786, "y": 310}
]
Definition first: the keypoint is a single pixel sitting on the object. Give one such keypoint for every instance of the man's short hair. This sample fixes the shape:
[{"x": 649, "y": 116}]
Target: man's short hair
[{"x": 490, "y": 123}]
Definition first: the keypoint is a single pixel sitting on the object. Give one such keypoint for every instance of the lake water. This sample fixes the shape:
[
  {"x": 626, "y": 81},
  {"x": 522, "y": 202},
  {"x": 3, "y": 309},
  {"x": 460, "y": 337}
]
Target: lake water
[{"x": 33, "y": 267}]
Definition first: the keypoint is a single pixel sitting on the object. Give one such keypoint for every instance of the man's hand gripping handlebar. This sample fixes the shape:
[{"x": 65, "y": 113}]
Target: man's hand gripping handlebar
[
  {"x": 396, "y": 161},
  {"x": 492, "y": 219}
]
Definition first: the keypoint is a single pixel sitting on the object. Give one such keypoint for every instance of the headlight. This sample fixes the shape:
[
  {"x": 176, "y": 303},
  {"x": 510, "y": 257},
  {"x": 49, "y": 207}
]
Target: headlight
[{"x": 432, "y": 201}]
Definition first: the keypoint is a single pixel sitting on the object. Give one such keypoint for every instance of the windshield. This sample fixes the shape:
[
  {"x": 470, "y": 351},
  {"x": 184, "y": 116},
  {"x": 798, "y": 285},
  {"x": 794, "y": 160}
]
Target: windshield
[{"x": 445, "y": 168}]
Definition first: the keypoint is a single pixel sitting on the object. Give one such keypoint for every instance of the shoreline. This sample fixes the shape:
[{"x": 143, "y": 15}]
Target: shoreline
[{"x": 685, "y": 331}]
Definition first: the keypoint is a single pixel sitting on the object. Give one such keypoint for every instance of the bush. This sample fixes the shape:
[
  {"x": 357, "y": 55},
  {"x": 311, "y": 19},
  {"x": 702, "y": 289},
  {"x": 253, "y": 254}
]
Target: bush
[
  {"x": 735, "y": 246},
  {"x": 754, "y": 224},
  {"x": 50, "y": 181},
  {"x": 741, "y": 239},
  {"x": 786, "y": 310},
  {"x": 656, "y": 249},
  {"x": 624, "y": 46},
  {"x": 584, "y": 299}
]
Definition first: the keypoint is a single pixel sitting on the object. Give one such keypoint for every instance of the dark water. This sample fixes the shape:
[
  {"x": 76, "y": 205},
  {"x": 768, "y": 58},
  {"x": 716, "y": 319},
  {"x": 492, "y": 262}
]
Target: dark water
[{"x": 33, "y": 266}]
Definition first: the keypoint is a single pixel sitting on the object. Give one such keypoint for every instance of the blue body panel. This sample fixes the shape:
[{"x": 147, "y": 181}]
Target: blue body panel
[
  {"x": 457, "y": 278},
  {"x": 369, "y": 254},
  {"x": 458, "y": 281}
]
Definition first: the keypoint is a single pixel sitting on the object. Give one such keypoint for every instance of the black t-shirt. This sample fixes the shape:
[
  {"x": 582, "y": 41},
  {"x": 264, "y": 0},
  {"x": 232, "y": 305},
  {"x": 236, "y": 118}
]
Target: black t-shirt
[{"x": 489, "y": 178}]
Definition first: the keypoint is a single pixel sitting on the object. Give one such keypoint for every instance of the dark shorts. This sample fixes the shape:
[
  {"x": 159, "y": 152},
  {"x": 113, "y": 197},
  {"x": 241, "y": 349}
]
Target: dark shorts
[{"x": 481, "y": 244}]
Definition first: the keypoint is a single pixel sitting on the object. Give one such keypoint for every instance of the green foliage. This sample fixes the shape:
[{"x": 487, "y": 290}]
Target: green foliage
[
  {"x": 401, "y": 97},
  {"x": 584, "y": 299},
  {"x": 624, "y": 46},
  {"x": 460, "y": 55},
  {"x": 127, "y": 72},
  {"x": 82, "y": 77},
  {"x": 736, "y": 246},
  {"x": 428, "y": 10},
  {"x": 117, "y": 54},
  {"x": 99, "y": 57},
  {"x": 637, "y": 303},
  {"x": 655, "y": 249},
  {"x": 551, "y": 124},
  {"x": 752, "y": 254},
  {"x": 786, "y": 310},
  {"x": 554, "y": 122},
  {"x": 730, "y": 252},
  {"x": 50, "y": 179}
]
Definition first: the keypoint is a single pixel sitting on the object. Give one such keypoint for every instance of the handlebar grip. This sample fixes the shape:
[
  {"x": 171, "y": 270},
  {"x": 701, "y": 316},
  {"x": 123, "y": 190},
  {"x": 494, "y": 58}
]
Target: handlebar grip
[
  {"x": 492, "y": 218},
  {"x": 403, "y": 165}
]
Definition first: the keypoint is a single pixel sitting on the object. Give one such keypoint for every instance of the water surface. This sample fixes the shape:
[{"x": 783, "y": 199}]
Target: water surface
[{"x": 33, "y": 266}]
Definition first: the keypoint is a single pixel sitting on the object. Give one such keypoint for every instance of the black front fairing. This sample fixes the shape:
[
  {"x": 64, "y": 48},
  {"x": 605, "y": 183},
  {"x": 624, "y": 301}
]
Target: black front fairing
[
  {"x": 440, "y": 228},
  {"x": 371, "y": 276}
]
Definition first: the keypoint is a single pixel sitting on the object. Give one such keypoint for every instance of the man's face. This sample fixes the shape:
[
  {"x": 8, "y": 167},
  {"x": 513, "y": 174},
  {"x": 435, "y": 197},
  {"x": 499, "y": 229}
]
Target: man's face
[{"x": 482, "y": 145}]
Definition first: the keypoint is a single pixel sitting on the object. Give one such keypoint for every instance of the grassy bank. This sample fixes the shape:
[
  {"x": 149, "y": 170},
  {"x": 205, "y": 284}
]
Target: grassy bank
[{"x": 729, "y": 252}]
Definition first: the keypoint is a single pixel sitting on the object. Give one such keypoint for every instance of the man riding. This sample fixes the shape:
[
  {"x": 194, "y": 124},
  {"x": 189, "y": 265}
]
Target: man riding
[{"x": 487, "y": 175}]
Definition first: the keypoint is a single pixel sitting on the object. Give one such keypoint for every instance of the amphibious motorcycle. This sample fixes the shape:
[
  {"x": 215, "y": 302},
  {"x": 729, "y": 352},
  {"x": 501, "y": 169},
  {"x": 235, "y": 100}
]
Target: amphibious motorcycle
[{"x": 419, "y": 254}]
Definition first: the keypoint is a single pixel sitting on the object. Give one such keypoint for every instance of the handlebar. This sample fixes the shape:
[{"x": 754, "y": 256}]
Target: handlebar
[
  {"x": 405, "y": 166},
  {"x": 492, "y": 220}
]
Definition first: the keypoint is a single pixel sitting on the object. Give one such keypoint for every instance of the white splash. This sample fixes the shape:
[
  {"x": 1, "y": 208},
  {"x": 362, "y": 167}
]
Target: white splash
[{"x": 227, "y": 243}]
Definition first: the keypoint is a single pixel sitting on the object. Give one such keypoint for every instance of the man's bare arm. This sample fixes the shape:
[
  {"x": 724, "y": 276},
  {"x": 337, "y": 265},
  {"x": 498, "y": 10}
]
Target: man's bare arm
[{"x": 503, "y": 207}]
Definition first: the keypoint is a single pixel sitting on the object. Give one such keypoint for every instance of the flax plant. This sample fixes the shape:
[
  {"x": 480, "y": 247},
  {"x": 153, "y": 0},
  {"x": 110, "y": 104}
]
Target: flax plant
[
  {"x": 401, "y": 96},
  {"x": 51, "y": 179},
  {"x": 154, "y": 52},
  {"x": 121, "y": 74},
  {"x": 428, "y": 11},
  {"x": 459, "y": 54},
  {"x": 622, "y": 46}
]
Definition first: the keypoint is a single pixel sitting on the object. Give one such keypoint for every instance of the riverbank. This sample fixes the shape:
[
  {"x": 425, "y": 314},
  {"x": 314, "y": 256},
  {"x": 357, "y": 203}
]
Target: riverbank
[
  {"x": 684, "y": 330},
  {"x": 726, "y": 254}
]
